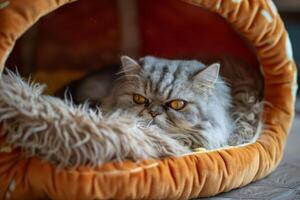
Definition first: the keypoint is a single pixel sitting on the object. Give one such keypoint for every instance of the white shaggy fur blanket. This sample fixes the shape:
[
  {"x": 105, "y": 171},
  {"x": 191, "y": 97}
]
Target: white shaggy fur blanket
[{"x": 69, "y": 135}]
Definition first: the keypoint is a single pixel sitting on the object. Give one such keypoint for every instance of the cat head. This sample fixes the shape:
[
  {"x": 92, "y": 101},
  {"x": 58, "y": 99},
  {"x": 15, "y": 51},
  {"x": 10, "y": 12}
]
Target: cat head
[{"x": 175, "y": 95}]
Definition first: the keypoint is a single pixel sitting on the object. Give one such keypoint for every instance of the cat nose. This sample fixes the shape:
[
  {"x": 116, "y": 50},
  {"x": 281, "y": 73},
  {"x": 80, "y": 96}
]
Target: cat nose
[
  {"x": 155, "y": 109},
  {"x": 153, "y": 113}
]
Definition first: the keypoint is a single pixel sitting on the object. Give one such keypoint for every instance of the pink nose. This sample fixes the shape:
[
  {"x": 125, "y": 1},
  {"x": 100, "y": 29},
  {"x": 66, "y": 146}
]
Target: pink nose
[{"x": 153, "y": 113}]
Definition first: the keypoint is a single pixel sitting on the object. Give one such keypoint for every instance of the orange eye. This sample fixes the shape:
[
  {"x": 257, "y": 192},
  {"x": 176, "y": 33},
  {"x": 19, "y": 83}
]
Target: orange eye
[
  {"x": 139, "y": 99},
  {"x": 177, "y": 104}
]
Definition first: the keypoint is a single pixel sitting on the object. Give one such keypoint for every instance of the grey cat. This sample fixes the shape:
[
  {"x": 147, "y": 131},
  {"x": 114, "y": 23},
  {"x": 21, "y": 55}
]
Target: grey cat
[
  {"x": 187, "y": 100},
  {"x": 156, "y": 108}
]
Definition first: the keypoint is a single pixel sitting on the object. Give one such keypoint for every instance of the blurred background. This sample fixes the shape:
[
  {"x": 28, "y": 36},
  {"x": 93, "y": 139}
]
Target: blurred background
[{"x": 290, "y": 12}]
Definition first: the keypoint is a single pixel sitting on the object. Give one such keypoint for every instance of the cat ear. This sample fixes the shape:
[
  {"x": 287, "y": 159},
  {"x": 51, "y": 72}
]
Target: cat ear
[
  {"x": 130, "y": 66},
  {"x": 209, "y": 75}
]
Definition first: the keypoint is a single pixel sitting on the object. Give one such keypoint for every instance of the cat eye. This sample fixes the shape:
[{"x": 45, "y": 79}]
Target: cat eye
[
  {"x": 139, "y": 99},
  {"x": 177, "y": 104}
]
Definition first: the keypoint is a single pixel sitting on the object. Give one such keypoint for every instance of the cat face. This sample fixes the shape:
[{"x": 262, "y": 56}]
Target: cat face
[{"x": 172, "y": 94}]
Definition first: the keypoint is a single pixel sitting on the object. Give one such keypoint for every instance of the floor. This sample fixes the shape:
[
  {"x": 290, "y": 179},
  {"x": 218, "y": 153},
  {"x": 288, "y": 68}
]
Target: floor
[{"x": 283, "y": 183}]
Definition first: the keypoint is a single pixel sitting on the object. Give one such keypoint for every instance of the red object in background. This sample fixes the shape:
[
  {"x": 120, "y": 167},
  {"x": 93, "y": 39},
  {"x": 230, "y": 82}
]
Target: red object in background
[
  {"x": 86, "y": 35},
  {"x": 82, "y": 34},
  {"x": 175, "y": 29}
]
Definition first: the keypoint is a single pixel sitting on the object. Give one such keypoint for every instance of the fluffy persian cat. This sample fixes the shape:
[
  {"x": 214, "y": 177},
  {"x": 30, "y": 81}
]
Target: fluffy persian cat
[{"x": 186, "y": 99}]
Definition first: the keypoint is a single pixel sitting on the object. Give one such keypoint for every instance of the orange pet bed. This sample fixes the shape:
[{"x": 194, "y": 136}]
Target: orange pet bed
[{"x": 200, "y": 174}]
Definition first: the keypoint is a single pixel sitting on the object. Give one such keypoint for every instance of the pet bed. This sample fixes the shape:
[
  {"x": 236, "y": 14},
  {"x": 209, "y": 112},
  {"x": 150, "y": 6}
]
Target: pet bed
[{"x": 200, "y": 174}]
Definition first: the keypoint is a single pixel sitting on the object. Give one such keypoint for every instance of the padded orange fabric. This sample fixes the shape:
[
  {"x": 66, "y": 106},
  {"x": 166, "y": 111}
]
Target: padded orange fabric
[{"x": 197, "y": 175}]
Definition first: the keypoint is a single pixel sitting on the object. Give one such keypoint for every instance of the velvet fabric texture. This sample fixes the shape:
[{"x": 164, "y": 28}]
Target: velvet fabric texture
[{"x": 199, "y": 175}]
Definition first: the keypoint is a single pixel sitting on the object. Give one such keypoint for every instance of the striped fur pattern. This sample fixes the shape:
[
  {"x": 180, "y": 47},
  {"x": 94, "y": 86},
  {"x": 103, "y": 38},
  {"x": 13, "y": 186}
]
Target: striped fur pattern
[{"x": 205, "y": 121}]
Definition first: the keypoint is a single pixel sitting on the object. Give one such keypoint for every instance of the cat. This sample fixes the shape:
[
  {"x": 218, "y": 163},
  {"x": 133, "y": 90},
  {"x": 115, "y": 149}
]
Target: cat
[
  {"x": 156, "y": 108},
  {"x": 188, "y": 100}
]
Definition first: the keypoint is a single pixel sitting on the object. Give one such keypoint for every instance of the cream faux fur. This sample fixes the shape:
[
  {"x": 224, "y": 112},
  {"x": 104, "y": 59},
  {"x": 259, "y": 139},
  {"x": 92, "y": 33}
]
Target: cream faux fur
[{"x": 69, "y": 135}]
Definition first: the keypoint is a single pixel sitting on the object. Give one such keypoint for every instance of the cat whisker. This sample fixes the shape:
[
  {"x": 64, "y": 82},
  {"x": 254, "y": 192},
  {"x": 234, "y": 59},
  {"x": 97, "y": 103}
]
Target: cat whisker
[{"x": 144, "y": 124}]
